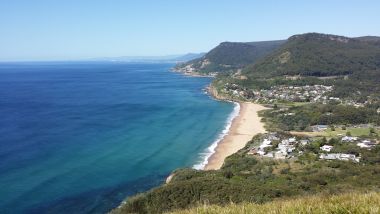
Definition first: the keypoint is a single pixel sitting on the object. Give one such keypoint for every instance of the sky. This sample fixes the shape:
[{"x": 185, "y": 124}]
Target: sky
[{"x": 83, "y": 29}]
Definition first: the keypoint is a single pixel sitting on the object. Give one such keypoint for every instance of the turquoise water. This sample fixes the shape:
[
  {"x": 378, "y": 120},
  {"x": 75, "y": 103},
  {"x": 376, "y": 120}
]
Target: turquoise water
[{"x": 80, "y": 137}]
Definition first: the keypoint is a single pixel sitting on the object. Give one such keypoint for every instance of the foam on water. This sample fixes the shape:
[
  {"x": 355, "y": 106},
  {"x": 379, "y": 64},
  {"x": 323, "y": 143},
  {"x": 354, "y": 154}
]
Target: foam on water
[{"x": 205, "y": 156}]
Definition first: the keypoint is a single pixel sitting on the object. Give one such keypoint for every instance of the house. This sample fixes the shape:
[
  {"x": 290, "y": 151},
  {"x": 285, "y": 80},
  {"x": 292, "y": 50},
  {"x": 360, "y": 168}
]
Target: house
[
  {"x": 292, "y": 140},
  {"x": 319, "y": 128},
  {"x": 328, "y": 156},
  {"x": 349, "y": 139},
  {"x": 272, "y": 136},
  {"x": 340, "y": 156},
  {"x": 326, "y": 148},
  {"x": 304, "y": 142},
  {"x": 269, "y": 155},
  {"x": 252, "y": 151},
  {"x": 280, "y": 155},
  {"x": 265, "y": 143},
  {"x": 366, "y": 144},
  {"x": 261, "y": 152}
]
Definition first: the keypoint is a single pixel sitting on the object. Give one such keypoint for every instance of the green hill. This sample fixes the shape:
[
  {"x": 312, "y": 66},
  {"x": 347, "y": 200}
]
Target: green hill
[
  {"x": 353, "y": 203},
  {"x": 314, "y": 54},
  {"x": 230, "y": 56}
]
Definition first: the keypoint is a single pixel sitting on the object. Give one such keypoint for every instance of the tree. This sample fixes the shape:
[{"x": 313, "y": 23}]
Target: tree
[
  {"x": 372, "y": 130},
  {"x": 324, "y": 141},
  {"x": 333, "y": 141}
]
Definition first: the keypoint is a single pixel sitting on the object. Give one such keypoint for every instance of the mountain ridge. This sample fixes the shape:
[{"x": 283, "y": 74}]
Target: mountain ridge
[
  {"x": 167, "y": 58},
  {"x": 315, "y": 54},
  {"x": 229, "y": 56}
]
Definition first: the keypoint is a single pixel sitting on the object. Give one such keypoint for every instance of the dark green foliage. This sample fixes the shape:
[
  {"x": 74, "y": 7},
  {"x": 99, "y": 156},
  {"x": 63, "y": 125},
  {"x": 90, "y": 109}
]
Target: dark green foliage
[
  {"x": 315, "y": 54},
  {"x": 321, "y": 114},
  {"x": 372, "y": 130},
  {"x": 257, "y": 182},
  {"x": 371, "y": 156},
  {"x": 239, "y": 54},
  {"x": 229, "y": 56}
]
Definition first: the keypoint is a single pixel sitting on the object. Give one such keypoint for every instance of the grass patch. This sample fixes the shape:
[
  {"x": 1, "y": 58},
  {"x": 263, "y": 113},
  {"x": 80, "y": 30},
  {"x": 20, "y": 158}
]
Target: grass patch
[
  {"x": 354, "y": 132},
  {"x": 346, "y": 203},
  {"x": 357, "y": 132}
]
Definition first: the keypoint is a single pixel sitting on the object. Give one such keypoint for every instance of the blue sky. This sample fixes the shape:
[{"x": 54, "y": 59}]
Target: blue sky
[{"x": 80, "y": 29}]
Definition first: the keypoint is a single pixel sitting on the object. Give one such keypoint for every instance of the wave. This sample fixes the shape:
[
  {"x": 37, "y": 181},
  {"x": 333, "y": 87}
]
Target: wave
[{"x": 211, "y": 149}]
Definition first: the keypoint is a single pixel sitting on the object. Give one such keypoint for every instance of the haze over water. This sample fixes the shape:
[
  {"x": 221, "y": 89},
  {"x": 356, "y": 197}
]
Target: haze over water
[{"x": 80, "y": 137}]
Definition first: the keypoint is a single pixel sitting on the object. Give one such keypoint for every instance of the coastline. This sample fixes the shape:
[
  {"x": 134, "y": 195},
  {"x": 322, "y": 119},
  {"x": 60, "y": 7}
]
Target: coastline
[
  {"x": 243, "y": 127},
  {"x": 211, "y": 150},
  {"x": 242, "y": 124}
]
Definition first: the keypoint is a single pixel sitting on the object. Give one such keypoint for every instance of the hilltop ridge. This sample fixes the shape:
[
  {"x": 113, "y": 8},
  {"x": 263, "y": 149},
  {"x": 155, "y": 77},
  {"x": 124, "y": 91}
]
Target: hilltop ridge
[
  {"x": 315, "y": 54},
  {"x": 229, "y": 56}
]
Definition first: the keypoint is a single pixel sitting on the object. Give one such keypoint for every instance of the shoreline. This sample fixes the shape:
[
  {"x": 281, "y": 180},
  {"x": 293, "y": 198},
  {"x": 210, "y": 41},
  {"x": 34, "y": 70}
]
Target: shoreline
[
  {"x": 211, "y": 150},
  {"x": 242, "y": 124},
  {"x": 243, "y": 127}
]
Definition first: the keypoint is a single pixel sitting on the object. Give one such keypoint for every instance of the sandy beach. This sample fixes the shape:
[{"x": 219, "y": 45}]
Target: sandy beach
[{"x": 243, "y": 128}]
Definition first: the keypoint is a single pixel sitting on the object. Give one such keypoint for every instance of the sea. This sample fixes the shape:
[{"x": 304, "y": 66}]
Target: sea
[{"x": 80, "y": 137}]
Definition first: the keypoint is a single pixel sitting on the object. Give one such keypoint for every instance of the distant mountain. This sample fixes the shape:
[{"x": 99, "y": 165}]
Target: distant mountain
[
  {"x": 153, "y": 59},
  {"x": 189, "y": 56},
  {"x": 314, "y": 54},
  {"x": 230, "y": 56}
]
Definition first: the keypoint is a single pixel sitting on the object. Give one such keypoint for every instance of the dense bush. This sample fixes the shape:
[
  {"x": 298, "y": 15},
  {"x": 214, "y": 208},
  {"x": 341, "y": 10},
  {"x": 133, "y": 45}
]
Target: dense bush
[
  {"x": 321, "y": 114},
  {"x": 245, "y": 179}
]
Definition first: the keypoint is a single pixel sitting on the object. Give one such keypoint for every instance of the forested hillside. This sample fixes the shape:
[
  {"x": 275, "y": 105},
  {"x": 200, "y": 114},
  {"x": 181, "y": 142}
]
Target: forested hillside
[
  {"x": 230, "y": 56},
  {"x": 316, "y": 54}
]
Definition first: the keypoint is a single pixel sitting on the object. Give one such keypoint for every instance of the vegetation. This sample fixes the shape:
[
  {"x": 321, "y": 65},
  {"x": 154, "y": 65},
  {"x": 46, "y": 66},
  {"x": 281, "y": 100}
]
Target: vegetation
[
  {"x": 252, "y": 184},
  {"x": 229, "y": 56},
  {"x": 356, "y": 132},
  {"x": 246, "y": 179},
  {"x": 353, "y": 203},
  {"x": 351, "y": 65},
  {"x": 316, "y": 54},
  {"x": 304, "y": 116}
]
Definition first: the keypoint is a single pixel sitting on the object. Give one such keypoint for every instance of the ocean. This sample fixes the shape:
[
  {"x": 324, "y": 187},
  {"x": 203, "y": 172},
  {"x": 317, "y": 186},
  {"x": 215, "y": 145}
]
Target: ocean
[{"x": 79, "y": 137}]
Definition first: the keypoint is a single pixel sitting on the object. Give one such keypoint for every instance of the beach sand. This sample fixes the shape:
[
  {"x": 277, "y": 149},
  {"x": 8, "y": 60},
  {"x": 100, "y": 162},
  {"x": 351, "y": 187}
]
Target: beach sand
[{"x": 243, "y": 128}]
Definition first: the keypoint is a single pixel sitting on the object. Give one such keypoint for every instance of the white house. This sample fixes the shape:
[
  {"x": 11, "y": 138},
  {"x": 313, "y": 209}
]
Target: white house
[
  {"x": 339, "y": 156},
  {"x": 265, "y": 143},
  {"x": 280, "y": 155},
  {"x": 319, "y": 128},
  {"x": 261, "y": 152},
  {"x": 326, "y": 148},
  {"x": 304, "y": 142},
  {"x": 366, "y": 144},
  {"x": 292, "y": 140},
  {"x": 349, "y": 139}
]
